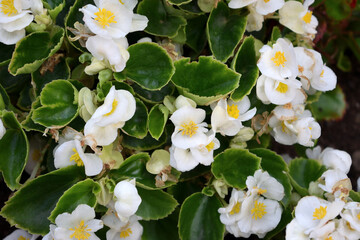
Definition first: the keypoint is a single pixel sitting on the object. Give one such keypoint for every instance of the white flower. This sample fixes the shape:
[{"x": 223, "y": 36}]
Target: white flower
[
  {"x": 263, "y": 7},
  {"x": 313, "y": 153},
  {"x": 2, "y": 129},
  {"x": 71, "y": 153},
  {"x": 326, "y": 81},
  {"x": 182, "y": 101},
  {"x": 351, "y": 214},
  {"x": 235, "y": 230},
  {"x": 313, "y": 213},
  {"x": 298, "y": 18},
  {"x": 112, "y": 52},
  {"x": 278, "y": 62},
  {"x": 20, "y": 234},
  {"x": 331, "y": 178},
  {"x": 227, "y": 115},
  {"x": 231, "y": 213},
  {"x": 127, "y": 199},
  {"x": 189, "y": 127},
  {"x": 283, "y": 131},
  {"x": 294, "y": 231},
  {"x": 119, "y": 106},
  {"x": 112, "y": 18},
  {"x": 80, "y": 224},
  {"x": 279, "y": 92},
  {"x": 119, "y": 230},
  {"x": 346, "y": 230},
  {"x": 336, "y": 159},
  {"x": 50, "y": 235},
  {"x": 254, "y": 20},
  {"x": 263, "y": 184},
  {"x": 307, "y": 129}
]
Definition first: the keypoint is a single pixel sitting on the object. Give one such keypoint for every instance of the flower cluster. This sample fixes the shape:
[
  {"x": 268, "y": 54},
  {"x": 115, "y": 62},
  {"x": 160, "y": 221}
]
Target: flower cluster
[{"x": 256, "y": 211}]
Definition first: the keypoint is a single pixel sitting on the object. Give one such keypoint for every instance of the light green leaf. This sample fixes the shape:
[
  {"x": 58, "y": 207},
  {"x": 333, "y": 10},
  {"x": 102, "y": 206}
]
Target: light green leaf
[
  {"x": 14, "y": 150},
  {"x": 355, "y": 196},
  {"x": 31, "y": 51},
  {"x": 224, "y": 31},
  {"x": 199, "y": 218},
  {"x": 275, "y": 34},
  {"x": 155, "y": 204},
  {"x": 245, "y": 63},
  {"x": 145, "y": 144},
  {"x": 137, "y": 125},
  {"x": 204, "y": 81},
  {"x": 158, "y": 117},
  {"x": 149, "y": 66},
  {"x": 54, "y": 7},
  {"x": 178, "y": 2},
  {"x": 30, "y": 207},
  {"x": 81, "y": 193},
  {"x": 234, "y": 166}
]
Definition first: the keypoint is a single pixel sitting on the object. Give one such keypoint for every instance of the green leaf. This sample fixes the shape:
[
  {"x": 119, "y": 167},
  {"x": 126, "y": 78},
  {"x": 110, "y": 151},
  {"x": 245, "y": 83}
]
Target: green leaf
[
  {"x": 199, "y": 218},
  {"x": 163, "y": 229},
  {"x": 180, "y": 36},
  {"x": 158, "y": 117},
  {"x": 160, "y": 22},
  {"x": 27, "y": 96},
  {"x": 145, "y": 144},
  {"x": 149, "y": 66},
  {"x": 331, "y": 105},
  {"x": 81, "y": 193},
  {"x": 178, "y": 2},
  {"x": 224, "y": 31},
  {"x": 135, "y": 167},
  {"x": 343, "y": 62},
  {"x": 195, "y": 31},
  {"x": 6, "y": 53},
  {"x": 54, "y": 7},
  {"x": 4, "y": 99},
  {"x": 155, "y": 204},
  {"x": 204, "y": 81},
  {"x": 137, "y": 125},
  {"x": 234, "y": 166},
  {"x": 338, "y": 9},
  {"x": 31, "y": 51},
  {"x": 59, "y": 104},
  {"x": 154, "y": 96},
  {"x": 303, "y": 171},
  {"x": 28, "y": 124},
  {"x": 275, "y": 34},
  {"x": 245, "y": 63},
  {"x": 12, "y": 83},
  {"x": 14, "y": 150},
  {"x": 277, "y": 168},
  {"x": 355, "y": 196},
  {"x": 30, "y": 207},
  {"x": 286, "y": 218}
]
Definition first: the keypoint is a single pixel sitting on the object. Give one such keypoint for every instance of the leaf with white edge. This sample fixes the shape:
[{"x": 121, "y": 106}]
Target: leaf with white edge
[
  {"x": 149, "y": 66},
  {"x": 199, "y": 218},
  {"x": 59, "y": 104},
  {"x": 245, "y": 63},
  {"x": 145, "y": 144},
  {"x": 81, "y": 193},
  {"x": 178, "y": 2},
  {"x": 31, "y": 51},
  {"x": 6, "y": 52},
  {"x": 163, "y": 229},
  {"x": 30, "y": 207},
  {"x": 4, "y": 99},
  {"x": 160, "y": 22},
  {"x": 14, "y": 150},
  {"x": 302, "y": 171},
  {"x": 204, "y": 81},
  {"x": 275, "y": 165},
  {"x": 137, "y": 125},
  {"x": 224, "y": 31},
  {"x": 158, "y": 117},
  {"x": 28, "y": 124},
  {"x": 234, "y": 166},
  {"x": 156, "y": 96},
  {"x": 135, "y": 167},
  {"x": 54, "y": 7},
  {"x": 155, "y": 204}
]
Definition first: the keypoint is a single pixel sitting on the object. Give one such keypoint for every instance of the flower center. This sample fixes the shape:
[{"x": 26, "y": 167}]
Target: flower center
[
  {"x": 121, "y": 2},
  {"x": 233, "y": 111},
  {"x": 189, "y": 129},
  {"x": 8, "y": 8},
  {"x": 358, "y": 216},
  {"x": 210, "y": 146},
  {"x": 104, "y": 17},
  {"x": 235, "y": 209},
  {"x": 322, "y": 73},
  {"x": 282, "y": 87},
  {"x": 307, "y": 17},
  {"x": 23, "y": 238},
  {"x": 266, "y": 1},
  {"x": 125, "y": 233},
  {"x": 259, "y": 210},
  {"x": 260, "y": 191},
  {"x": 329, "y": 238},
  {"x": 279, "y": 59},
  {"x": 319, "y": 213},
  {"x": 301, "y": 68},
  {"x": 80, "y": 232},
  {"x": 76, "y": 158},
  {"x": 114, "y": 105}
]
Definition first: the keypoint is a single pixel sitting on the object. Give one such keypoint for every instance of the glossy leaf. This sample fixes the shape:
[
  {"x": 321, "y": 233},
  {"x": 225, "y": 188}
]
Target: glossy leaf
[
  {"x": 163, "y": 229},
  {"x": 199, "y": 218},
  {"x": 28, "y": 124},
  {"x": 156, "y": 96},
  {"x": 155, "y": 204},
  {"x": 178, "y": 2},
  {"x": 195, "y": 31},
  {"x": 12, "y": 83},
  {"x": 6, "y": 52},
  {"x": 137, "y": 125},
  {"x": 224, "y": 31},
  {"x": 30, "y": 207},
  {"x": 14, "y": 150},
  {"x": 204, "y": 81},
  {"x": 145, "y": 144},
  {"x": 157, "y": 120},
  {"x": 234, "y": 166}
]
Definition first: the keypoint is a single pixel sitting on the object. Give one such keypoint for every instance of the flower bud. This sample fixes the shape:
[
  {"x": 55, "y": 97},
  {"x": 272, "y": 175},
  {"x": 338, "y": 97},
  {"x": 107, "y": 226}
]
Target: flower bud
[
  {"x": 104, "y": 196},
  {"x": 169, "y": 103},
  {"x": 95, "y": 67},
  {"x": 315, "y": 190},
  {"x": 244, "y": 135},
  {"x": 160, "y": 159},
  {"x": 87, "y": 103},
  {"x": 182, "y": 101},
  {"x": 220, "y": 187},
  {"x": 111, "y": 158},
  {"x": 206, "y": 5}
]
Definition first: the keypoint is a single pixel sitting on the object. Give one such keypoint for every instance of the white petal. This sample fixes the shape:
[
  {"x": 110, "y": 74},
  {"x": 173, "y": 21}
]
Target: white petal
[
  {"x": 63, "y": 153},
  {"x": 10, "y": 38},
  {"x": 290, "y": 16},
  {"x": 18, "y": 24},
  {"x": 240, "y": 3},
  {"x": 182, "y": 159},
  {"x": 139, "y": 23},
  {"x": 266, "y": 7}
]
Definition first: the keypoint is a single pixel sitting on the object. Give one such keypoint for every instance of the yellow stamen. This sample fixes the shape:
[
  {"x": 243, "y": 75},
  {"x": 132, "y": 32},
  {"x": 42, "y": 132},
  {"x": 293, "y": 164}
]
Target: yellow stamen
[
  {"x": 283, "y": 127},
  {"x": 322, "y": 73},
  {"x": 121, "y": 2},
  {"x": 233, "y": 111},
  {"x": 260, "y": 190},
  {"x": 8, "y": 7},
  {"x": 301, "y": 68},
  {"x": 80, "y": 232},
  {"x": 104, "y": 17},
  {"x": 259, "y": 210},
  {"x": 358, "y": 216},
  {"x": 279, "y": 59},
  {"x": 210, "y": 146},
  {"x": 266, "y": 1},
  {"x": 329, "y": 238},
  {"x": 282, "y": 87},
  {"x": 126, "y": 233},
  {"x": 307, "y": 17},
  {"x": 319, "y": 213},
  {"x": 23, "y": 238},
  {"x": 235, "y": 209},
  {"x": 114, "y": 105},
  {"x": 189, "y": 129},
  {"x": 76, "y": 158}
]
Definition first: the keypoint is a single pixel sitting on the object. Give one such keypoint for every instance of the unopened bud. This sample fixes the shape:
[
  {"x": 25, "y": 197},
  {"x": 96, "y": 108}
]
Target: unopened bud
[{"x": 160, "y": 159}]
